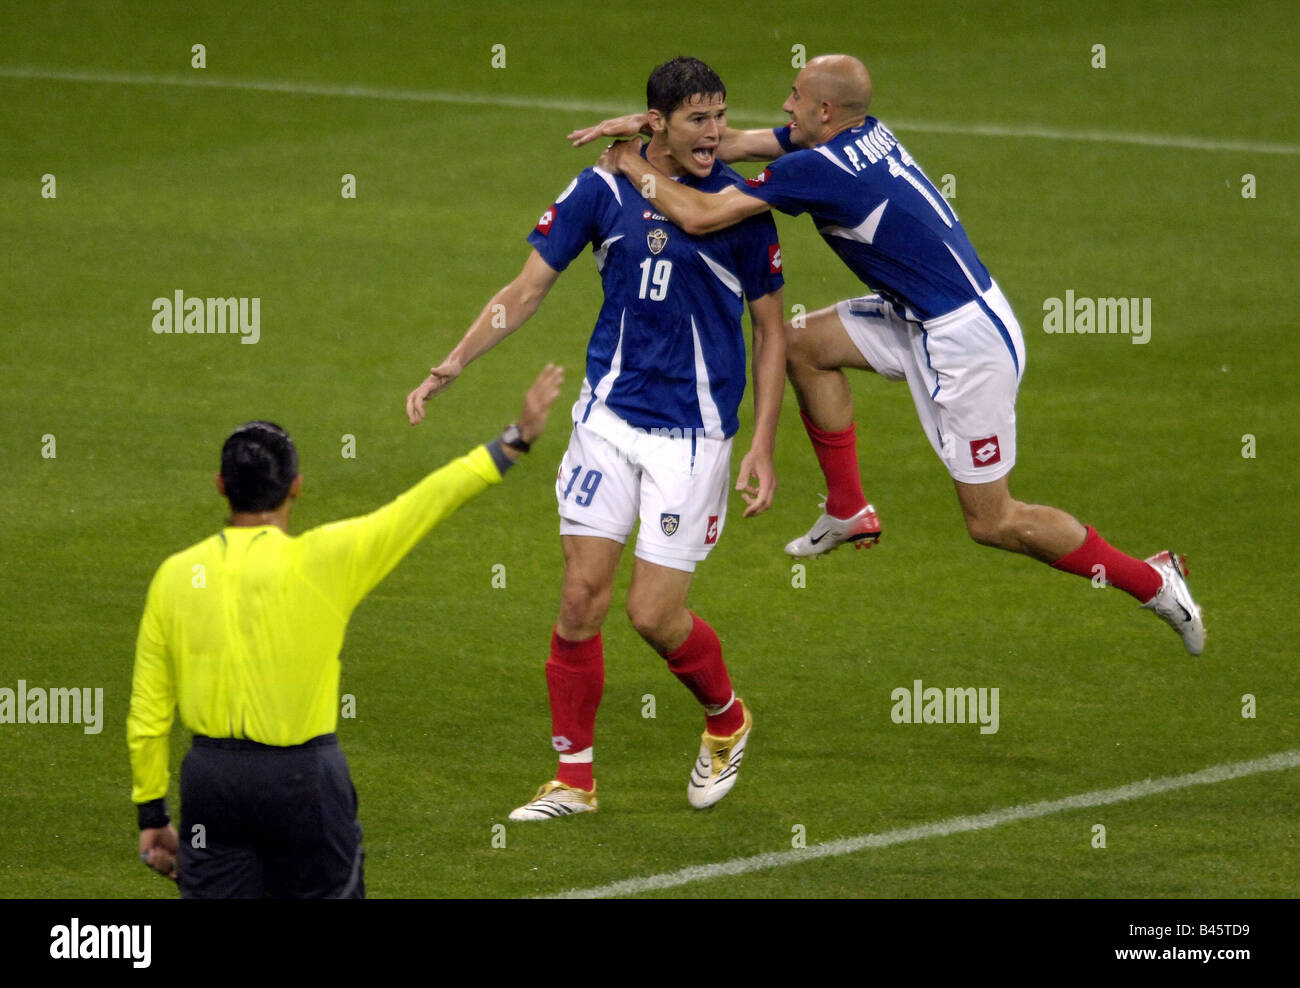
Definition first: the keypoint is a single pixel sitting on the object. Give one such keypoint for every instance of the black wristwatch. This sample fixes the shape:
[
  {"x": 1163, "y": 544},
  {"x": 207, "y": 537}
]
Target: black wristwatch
[{"x": 513, "y": 438}]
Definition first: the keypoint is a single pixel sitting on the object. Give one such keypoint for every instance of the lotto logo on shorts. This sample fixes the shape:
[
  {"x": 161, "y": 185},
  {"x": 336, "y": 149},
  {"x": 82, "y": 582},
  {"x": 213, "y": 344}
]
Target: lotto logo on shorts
[
  {"x": 711, "y": 535},
  {"x": 544, "y": 224},
  {"x": 669, "y": 522},
  {"x": 773, "y": 258},
  {"x": 985, "y": 452}
]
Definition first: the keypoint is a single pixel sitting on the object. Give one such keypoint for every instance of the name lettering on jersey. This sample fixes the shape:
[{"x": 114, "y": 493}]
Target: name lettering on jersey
[
  {"x": 773, "y": 258},
  {"x": 544, "y": 224},
  {"x": 651, "y": 215},
  {"x": 873, "y": 145},
  {"x": 656, "y": 240}
]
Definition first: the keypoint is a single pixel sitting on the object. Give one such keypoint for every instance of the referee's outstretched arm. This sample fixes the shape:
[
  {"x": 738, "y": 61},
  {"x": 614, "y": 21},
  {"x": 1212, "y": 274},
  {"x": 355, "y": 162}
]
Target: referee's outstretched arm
[{"x": 255, "y": 656}]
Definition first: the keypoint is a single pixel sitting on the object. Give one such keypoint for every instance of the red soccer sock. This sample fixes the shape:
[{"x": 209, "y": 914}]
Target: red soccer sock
[
  {"x": 1131, "y": 575},
  {"x": 575, "y": 679},
  {"x": 697, "y": 662},
  {"x": 837, "y": 452}
]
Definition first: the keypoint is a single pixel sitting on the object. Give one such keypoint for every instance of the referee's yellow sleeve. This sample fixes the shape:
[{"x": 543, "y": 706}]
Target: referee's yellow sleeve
[
  {"x": 153, "y": 702},
  {"x": 364, "y": 550}
]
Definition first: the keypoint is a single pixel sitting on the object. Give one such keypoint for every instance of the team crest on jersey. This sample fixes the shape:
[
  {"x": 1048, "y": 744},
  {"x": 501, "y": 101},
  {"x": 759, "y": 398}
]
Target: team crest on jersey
[
  {"x": 657, "y": 240},
  {"x": 669, "y": 522},
  {"x": 985, "y": 452}
]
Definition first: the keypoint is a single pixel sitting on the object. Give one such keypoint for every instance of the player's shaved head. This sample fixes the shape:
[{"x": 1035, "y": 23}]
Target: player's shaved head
[{"x": 841, "y": 80}]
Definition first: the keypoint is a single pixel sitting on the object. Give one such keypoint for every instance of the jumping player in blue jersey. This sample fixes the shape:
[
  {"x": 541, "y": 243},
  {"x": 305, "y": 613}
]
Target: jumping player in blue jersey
[
  {"x": 937, "y": 320},
  {"x": 653, "y": 424}
]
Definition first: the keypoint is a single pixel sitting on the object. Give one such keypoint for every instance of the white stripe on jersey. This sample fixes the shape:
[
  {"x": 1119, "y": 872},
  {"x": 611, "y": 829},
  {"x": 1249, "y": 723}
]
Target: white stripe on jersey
[
  {"x": 603, "y": 252},
  {"x": 724, "y": 276},
  {"x": 609, "y": 180},
  {"x": 829, "y": 155},
  {"x": 709, "y": 416},
  {"x": 615, "y": 365},
  {"x": 863, "y": 233}
]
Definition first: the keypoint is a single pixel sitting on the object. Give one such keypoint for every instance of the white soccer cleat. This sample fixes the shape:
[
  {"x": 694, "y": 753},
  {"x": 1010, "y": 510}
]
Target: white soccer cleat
[
  {"x": 1173, "y": 602},
  {"x": 716, "y": 768},
  {"x": 863, "y": 530},
  {"x": 555, "y": 799}
]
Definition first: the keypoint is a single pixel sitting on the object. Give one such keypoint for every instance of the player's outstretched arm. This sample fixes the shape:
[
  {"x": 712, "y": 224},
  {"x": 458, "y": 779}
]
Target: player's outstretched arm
[
  {"x": 507, "y": 310},
  {"x": 768, "y": 318},
  {"x": 695, "y": 212}
]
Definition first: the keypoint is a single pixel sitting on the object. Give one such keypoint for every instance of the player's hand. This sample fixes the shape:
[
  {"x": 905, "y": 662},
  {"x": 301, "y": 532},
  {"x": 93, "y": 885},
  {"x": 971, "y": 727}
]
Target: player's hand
[
  {"x": 628, "y": 126},
  {"x": 756, "y": 466},
  {"x": 538, "y": 401},
  {"x": 621, "y": 155},
  {"x": 438, "y": 381},
  {"x": 159, "y": 847}
]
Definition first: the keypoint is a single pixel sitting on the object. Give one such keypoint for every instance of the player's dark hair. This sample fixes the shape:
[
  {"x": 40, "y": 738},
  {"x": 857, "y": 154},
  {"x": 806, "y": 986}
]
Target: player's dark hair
[
  {"x": 258, "y": 465},
  {"x": 677, "y": 82}
]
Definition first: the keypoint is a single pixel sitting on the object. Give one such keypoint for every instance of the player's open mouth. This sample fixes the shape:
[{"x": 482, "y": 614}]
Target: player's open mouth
[{"x": 703, "y": 155}]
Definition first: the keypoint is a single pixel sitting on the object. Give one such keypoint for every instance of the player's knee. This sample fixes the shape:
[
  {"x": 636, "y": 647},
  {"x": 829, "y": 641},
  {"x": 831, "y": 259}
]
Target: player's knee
[
  {"x": 650, "y": 617},
  {"x": 583, "y": 604},
  {"x": 987, "y": 529},
  {"x": 800, "y": 354}
]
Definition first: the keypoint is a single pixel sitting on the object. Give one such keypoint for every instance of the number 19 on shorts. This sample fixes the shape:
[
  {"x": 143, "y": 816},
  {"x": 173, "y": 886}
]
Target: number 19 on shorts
[{"x": 586, "y": 490}]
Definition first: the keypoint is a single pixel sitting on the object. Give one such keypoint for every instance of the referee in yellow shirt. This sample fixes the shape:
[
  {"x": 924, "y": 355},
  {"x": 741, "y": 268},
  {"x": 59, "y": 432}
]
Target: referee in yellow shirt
[{"x": 242, "y": 634}]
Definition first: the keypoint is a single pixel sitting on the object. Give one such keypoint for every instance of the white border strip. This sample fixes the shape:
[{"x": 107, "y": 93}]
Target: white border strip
[
  {"x": 942, "y": 828},
  {"x": 203, "y": 81}
]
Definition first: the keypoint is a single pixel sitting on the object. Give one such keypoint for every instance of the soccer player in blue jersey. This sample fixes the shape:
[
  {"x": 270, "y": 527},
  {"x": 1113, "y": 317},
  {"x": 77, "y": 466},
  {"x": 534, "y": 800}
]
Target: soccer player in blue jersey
[
  {"x": 937, "y": 320},
  {"x": 653, "y": 424}
]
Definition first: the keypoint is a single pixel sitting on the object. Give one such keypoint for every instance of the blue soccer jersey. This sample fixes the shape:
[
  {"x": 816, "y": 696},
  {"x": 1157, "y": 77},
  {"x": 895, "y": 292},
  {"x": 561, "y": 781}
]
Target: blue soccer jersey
[
  {"x": 668, "y": 349},
  {"x": 876, "y": 209}
]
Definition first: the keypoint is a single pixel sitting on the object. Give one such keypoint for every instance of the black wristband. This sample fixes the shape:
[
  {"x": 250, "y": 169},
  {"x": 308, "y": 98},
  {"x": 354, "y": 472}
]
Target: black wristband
[
  {"x": 152, "y": 814},
  {"x": 499, "y": 457},
  {"x": 513, "y": 437}
]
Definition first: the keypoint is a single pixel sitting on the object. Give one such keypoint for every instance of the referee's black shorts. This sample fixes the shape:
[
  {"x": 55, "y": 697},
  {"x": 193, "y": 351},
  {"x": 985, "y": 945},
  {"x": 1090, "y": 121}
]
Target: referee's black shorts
[{"x": 262, "y": 821}]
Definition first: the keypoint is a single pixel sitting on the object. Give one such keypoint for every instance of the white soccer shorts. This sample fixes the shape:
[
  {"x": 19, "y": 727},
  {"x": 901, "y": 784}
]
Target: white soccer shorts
[
  {"x": 613, "y": 473},
  {"x": 963, "y": 369}
]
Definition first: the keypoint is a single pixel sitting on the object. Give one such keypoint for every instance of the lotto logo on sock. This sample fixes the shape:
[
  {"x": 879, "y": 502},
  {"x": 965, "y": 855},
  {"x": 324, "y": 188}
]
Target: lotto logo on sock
[
  {"x": 560, "y": 743},
  {"x": 985, "y": 452},
  {"x": 711, "y": 535}
]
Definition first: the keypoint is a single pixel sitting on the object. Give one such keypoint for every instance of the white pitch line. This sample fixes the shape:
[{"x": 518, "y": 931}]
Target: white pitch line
[
  {"x": 942, "y": 828},
  {"x": 198, "y": 81}
]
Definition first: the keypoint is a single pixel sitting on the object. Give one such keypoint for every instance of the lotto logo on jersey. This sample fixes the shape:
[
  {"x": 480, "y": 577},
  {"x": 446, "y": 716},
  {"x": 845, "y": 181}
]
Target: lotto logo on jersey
[
  {"x": 985, "y": 452},
  {"x": 544, "y": 224},
  {"x": 773, "y": 258},
  {"x": 711, "y": 533},
  {"x": 760, "y": 178}
]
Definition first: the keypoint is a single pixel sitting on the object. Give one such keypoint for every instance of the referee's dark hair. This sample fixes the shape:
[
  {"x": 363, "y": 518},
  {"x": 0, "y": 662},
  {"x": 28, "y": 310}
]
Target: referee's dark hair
[
  {"x": 675, "y": 82},
  {"x": 258, "y": 464}
]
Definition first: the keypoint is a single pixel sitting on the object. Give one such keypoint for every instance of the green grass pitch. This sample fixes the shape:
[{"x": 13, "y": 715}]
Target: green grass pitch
[{"x": 1188, "y": 441}]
